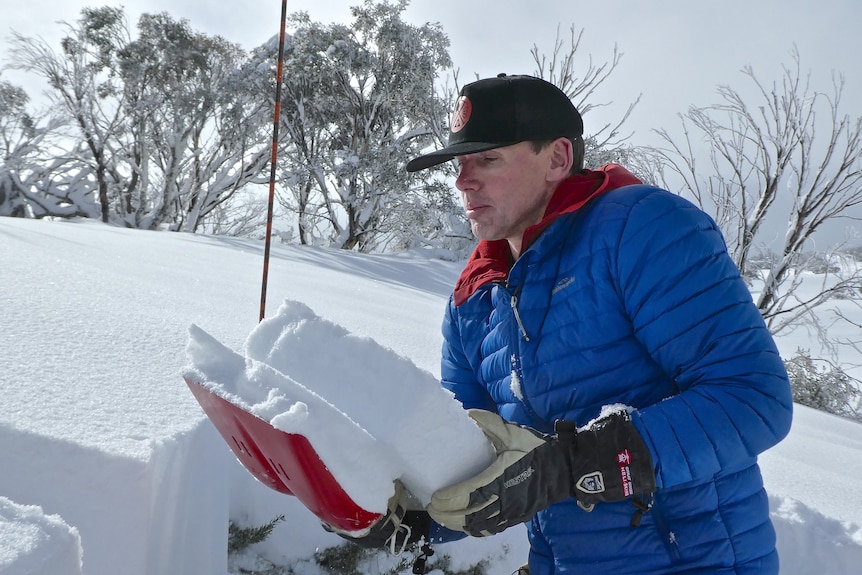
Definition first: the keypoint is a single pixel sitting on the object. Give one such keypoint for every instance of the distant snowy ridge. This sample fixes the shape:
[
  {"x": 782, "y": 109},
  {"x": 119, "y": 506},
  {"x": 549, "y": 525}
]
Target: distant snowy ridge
[{"x": 308, "y": 376}]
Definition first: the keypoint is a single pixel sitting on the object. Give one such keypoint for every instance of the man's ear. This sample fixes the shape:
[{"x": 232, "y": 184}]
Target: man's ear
[{"x": 562, "y": 158}]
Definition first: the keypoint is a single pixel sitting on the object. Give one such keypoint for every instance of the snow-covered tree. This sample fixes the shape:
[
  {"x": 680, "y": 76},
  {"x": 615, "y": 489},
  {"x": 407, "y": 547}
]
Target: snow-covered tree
[
  {"x": 83, "y": 87},
  {"x": 163, "y": 128},
  {"x": 356, "y": 106},
  {"x": 35, "y": 181},
  {"x": 17, "y": 142},
  {"x": 823, "y": 385},
  {"x": 197, "y": 131},
  {"x": 787, "y": 153}
]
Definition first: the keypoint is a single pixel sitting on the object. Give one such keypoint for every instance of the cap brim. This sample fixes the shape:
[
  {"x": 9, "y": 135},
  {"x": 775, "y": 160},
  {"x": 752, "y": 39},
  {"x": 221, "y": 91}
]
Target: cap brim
[{"x": 449, "y": 152}]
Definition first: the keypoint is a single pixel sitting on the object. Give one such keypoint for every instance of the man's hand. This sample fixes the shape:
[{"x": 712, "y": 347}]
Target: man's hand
[
  {"x": 607, "y": 462},
  {"x": 397, "y": 530}
]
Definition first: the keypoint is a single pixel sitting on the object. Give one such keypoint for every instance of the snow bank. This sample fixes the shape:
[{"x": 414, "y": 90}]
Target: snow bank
[
  {"x": 32, "y": 543},
  {"x": 818, "y": 464},
  {"x": 808, "y": 540},
  {"x": 371, "y": 415},
  {"x": 136, "y": 516},
  {"x": 95, "y": 424}
]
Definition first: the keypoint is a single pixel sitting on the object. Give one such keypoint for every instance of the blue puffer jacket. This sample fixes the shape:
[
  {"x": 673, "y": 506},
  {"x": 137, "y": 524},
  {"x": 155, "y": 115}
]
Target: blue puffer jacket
[{"x": 630, "y": 299}]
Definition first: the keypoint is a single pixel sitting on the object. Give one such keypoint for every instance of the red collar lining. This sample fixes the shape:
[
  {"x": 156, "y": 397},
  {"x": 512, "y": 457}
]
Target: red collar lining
[{"x": 492, "y": 260}]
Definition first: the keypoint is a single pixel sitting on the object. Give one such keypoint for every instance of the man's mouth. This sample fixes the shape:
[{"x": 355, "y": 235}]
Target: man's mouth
[{"x": 474, "y": 209}]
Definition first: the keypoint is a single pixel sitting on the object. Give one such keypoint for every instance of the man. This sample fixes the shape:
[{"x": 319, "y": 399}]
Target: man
[{"x": 605, "y": 342}]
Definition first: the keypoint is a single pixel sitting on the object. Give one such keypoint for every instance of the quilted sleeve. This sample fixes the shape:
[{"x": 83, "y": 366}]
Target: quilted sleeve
[
  {"x": 457, "y": 369},
  {"x": 694, "y": 315}
]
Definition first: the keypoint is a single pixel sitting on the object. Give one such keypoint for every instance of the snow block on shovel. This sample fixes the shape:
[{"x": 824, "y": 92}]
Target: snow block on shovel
[{"x": 285, "y": 462}]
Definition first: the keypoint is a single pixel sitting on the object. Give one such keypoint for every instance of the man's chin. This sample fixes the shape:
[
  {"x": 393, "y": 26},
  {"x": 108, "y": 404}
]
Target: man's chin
[{"x": 482, "y": 232}]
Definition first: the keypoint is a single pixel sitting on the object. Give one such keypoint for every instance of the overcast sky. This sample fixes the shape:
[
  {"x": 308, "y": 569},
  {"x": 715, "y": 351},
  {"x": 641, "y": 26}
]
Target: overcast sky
[{"x": 675, "y": 52}]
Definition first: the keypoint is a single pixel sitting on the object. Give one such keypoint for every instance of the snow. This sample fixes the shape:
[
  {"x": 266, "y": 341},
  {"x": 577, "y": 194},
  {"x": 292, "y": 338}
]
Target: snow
[
  {"x": 308, "y": 376},
  {"x": 35, "y": 543},
  {"x": 107, "y": 458}
]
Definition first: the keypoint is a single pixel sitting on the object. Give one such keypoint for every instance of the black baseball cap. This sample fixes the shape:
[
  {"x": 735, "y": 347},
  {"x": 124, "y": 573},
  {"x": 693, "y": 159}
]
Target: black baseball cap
[{"x": 502, "y": 111}]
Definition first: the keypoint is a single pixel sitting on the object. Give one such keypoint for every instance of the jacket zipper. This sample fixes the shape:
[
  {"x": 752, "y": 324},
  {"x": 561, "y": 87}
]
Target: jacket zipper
[
  {"x": 514, "y": 303},
  {"x": 517, "y": 369},
  {"x": 667, "y": 536}
]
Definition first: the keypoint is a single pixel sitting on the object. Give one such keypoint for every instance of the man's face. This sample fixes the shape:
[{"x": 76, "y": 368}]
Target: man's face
[{"x": 505, "y": 191}]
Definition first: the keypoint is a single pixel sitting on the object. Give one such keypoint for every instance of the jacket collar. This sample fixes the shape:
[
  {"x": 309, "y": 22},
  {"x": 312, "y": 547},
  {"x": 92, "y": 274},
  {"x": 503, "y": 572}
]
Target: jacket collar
[{"x": 492, "y": 260}]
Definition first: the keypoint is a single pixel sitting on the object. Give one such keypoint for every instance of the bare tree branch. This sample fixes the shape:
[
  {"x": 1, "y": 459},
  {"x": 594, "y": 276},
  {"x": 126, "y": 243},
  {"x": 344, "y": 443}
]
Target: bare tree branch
[{"x": 790, "y": 153}]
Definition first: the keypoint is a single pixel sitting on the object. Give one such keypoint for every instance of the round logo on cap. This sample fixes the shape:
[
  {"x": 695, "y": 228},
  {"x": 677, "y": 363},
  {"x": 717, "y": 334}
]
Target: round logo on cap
[{"x": 461, "y": 114}]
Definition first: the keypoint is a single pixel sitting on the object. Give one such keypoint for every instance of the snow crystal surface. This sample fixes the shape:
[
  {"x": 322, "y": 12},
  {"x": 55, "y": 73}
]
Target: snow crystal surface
[{"x": 32, "y": 543}]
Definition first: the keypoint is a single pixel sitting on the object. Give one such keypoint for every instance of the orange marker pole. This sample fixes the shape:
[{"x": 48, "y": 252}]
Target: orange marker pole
[{"x": 272, "y": 161}]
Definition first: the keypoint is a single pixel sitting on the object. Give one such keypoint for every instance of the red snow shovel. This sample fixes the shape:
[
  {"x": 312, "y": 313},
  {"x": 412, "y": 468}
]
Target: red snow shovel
[{"x": 286, "y": 462}]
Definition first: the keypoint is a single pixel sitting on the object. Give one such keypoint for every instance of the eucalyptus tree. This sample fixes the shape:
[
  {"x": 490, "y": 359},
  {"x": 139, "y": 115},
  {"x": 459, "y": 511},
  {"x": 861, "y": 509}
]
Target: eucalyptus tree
[
  {"x": 17, "y": 142},
  {"x": 356, "y": 103},
  {"x": 36, "y": 181},
  {"x": 83, "y": 87},
  {"x": 162, "y": 128},
  {"x": 197, "y": 131}
]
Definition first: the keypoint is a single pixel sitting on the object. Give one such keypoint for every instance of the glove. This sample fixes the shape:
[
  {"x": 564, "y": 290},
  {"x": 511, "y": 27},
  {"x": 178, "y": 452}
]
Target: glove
[
  {"x": 606, "y": 462},
  {"x": 399, "y": 529}
]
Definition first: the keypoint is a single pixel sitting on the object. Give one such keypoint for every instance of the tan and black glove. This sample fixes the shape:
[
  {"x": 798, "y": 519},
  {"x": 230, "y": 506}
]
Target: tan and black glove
[
  {"x": 404, "y": 524},
  {"x": 607, "y": 462}
]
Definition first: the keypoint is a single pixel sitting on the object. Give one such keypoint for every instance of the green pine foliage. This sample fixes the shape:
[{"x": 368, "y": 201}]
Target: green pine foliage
[
  {"x": 344, "y": 559},
  {"x": 240, "y": 538}
]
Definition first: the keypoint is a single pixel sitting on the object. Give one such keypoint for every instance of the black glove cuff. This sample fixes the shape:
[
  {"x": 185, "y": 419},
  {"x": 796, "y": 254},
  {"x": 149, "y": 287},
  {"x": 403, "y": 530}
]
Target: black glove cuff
[
  {"x": 397, "y": 531},
  {"x": 611, "y": 462},
  {"x": 419, "y": 523}
]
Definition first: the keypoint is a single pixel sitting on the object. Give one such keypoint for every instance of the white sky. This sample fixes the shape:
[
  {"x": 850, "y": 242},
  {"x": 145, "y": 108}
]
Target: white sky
[
  {"x": 675, "y": 52},
  {"x": 98, "y": 428}
]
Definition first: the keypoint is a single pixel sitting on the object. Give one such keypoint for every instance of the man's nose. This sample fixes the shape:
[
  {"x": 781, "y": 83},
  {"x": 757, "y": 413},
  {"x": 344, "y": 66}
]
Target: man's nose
[{"x": 466, "y": 178}]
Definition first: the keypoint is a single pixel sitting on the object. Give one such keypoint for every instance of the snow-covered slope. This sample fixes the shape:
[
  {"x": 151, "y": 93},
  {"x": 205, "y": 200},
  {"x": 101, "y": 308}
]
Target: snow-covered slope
[{"x": 98, "y": 428}]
